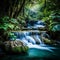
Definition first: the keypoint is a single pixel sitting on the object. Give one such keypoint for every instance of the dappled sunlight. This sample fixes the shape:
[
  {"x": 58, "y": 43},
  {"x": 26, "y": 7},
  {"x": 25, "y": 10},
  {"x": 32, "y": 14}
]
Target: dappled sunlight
[{"x": 35, "y": 8}]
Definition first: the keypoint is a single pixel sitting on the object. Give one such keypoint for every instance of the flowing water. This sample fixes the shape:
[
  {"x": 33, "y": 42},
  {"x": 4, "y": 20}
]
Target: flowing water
[{"x": 37, "y": 49}]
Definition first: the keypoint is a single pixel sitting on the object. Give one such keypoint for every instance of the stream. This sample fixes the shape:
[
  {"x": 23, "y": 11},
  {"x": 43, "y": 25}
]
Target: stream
[{"x": 37, "y": 49}]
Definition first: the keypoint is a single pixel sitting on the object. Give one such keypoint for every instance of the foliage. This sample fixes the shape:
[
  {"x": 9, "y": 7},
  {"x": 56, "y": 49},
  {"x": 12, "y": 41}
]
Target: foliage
[
  {"x": 52, "y": 20},
  {"x": 34, "y": 10},
  {"x": 51, "y": 14},
  {"x": 46, "y": 10},
  {"x": 53, "y": 5},
  {"x": 11, "y": 36},
  {"x": 7, "y": 24}
]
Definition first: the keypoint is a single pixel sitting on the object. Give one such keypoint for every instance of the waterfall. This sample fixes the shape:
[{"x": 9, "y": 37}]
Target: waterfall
[
  {"x": 28, "y": 37},
  {"x": 33, "y": 38}
]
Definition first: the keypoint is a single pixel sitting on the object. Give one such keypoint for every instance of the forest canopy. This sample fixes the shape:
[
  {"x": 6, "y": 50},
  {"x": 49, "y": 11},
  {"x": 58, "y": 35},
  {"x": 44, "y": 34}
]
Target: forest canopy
[{"x": 15, "y": 13}]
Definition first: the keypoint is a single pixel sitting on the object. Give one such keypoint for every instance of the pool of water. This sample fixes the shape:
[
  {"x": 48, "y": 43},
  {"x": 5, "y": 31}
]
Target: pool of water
[{"x": 35, "y": 54}]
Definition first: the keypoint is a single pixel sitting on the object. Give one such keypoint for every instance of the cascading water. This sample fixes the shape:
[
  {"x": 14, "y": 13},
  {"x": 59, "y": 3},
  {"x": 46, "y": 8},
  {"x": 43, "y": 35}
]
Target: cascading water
[
  {"x": 32, "y": 39},
  {"x": 28, "y": 37},
  {"x": 37, "y": 49}
]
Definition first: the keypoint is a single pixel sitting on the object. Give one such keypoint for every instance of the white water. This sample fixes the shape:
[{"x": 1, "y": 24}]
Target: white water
[
  {"x": 30, "y": 40},
  {"x": 33, "y": 38}
]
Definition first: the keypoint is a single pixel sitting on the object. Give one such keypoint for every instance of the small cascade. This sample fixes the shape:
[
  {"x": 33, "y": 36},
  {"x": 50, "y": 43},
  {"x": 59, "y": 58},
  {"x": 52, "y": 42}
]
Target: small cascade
[
  {"x": 28, "y": 37},
  {"x": 33, "y": 38}
]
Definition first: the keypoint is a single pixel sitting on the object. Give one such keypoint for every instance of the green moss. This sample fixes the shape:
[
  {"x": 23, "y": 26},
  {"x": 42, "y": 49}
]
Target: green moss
[
  {"x": 16, "y": 49},
  {"x": 21, "y": 49},
  {"x": 48, "y": 41},
  {"x": 24, "y": 48}
]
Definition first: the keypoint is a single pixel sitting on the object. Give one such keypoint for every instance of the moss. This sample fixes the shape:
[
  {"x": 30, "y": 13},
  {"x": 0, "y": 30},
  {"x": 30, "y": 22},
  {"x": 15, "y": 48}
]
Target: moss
[
  {"x": 24, "y": 48},
  {"x": 48, "y": 41},
  {"x": 16, "y": 49},
  {"x": 21, "y": 49}
]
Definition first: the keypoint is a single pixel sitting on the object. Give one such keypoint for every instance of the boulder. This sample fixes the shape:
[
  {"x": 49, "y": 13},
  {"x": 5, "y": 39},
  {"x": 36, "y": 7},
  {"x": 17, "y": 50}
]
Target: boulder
[
  {"x": 14, "y": 47},
  {"x": 48, "y": 41}
]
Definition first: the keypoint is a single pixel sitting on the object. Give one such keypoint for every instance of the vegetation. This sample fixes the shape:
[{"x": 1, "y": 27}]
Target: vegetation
[
  {"x": 14, "y": 47},
  {"x": 15, "y": 13},
  {"x": 22, "y": 10},
  {"x": 6, "y": 25}
]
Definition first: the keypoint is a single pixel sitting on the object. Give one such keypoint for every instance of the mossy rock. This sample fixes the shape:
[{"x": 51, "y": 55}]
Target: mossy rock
[
  {"x": 21, "y": 49},
  {"x": 15, "y": 47},
  {"x": 24, "y": 48},
  {"x": 48, "y": 41}
]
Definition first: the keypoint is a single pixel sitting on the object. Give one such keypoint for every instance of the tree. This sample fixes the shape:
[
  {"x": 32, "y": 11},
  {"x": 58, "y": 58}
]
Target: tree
[{"x": 11, "y": 8}]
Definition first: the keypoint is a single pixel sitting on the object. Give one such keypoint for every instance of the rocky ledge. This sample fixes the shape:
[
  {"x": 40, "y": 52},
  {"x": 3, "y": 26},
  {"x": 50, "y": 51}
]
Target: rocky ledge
[
  {"x": 16, "y": 46},
  {"x": 50, "y": 41}
]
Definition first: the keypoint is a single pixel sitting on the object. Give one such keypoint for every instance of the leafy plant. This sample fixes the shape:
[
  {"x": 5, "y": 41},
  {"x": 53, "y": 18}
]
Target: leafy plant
[
  {"x": 11, "y": 36},
  {"x": 7, "y": 24},
  {"x": 52, "y": 20}
]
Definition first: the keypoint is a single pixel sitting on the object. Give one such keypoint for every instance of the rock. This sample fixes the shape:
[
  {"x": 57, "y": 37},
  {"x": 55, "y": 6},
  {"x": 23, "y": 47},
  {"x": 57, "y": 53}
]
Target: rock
[
  {"x": 48, "y": 41},
  {"x": 14, "y": 46}
]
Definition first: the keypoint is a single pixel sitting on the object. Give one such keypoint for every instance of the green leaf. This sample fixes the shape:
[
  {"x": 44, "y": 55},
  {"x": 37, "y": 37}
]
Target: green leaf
[{"x": 11, "y": 26}]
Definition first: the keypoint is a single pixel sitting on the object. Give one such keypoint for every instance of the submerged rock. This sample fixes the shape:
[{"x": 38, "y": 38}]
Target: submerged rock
[{"x": 14, "y": 47}]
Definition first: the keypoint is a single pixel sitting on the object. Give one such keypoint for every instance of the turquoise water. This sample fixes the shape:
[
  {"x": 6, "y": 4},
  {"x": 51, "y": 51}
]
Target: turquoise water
[{"x": 35, "y": 54}]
